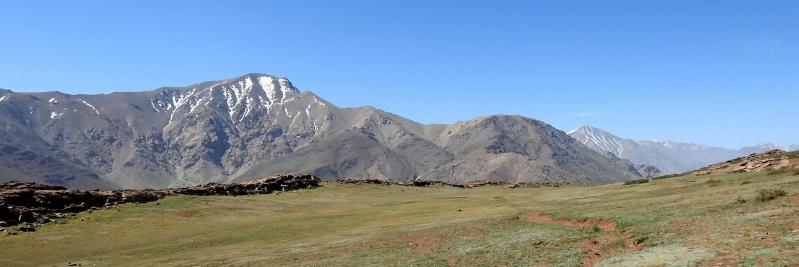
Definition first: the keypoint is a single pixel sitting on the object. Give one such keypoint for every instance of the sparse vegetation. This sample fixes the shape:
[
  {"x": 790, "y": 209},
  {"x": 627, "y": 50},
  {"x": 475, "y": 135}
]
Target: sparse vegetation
[
  {"x": 667, "y": 222},
  {"x": 637, "y": 181},
  {"x": 782, "y": 171},
  {"x": 764, "y": 195}
]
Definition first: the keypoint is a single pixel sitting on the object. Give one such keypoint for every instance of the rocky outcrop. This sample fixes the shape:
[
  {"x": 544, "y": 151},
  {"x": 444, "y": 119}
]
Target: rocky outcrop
[
  {"x": 30, "y": 204},
  {"x": 772, "y": 161},
  {"x": 474, "y": 184},
  {"x": 365, "y": 181},
  {"x": 257, "y": 186},
  {"x": 646, "y": 171}
]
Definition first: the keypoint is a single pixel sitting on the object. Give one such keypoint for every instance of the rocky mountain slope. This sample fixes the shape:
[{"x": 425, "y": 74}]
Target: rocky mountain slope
[
  {"x": 257, "y": 125},
  {"x": 669, "y": 157}
]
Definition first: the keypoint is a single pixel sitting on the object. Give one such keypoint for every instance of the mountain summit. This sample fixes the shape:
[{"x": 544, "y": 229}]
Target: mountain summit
[{"x": 257, "y": 125}]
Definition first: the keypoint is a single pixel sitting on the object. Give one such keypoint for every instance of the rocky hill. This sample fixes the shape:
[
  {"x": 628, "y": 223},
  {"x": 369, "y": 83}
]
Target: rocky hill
[
  {"x": 775, "y": 161},
  {"x": 258, "y": 125}
]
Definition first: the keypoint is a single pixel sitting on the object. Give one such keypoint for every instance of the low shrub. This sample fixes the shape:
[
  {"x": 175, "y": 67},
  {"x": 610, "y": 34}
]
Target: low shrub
[
  {"x": 638, "y": 181},
  {"x": 779, "y": 172},
  {"x": 746, "y": 182},
  {"x": 712, "y": 182},
  {"x": 667, "y": 176},
  {"x": 764, "y": 195},
  {"x": 740, "y": 200},
  {"x": 640, "y": 240}
]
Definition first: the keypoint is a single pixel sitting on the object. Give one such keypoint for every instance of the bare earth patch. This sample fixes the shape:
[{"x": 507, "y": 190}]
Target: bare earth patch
[
  {"x": 545, "y": 219},
  {"x": 187, "y": 213},
  {"x": 598, "y": 248}
]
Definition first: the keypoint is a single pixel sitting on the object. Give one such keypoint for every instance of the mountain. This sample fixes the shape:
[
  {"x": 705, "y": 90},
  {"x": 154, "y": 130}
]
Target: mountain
[
  {"x": 258, "y": 125},
  {"x": 669, "y": 157}
]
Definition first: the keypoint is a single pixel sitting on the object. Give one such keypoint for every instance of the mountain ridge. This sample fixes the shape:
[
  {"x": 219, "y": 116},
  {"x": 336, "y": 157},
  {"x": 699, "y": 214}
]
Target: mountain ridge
[
  {"x": 258, "y": 125},
  {"x": 668, "y": 156}
]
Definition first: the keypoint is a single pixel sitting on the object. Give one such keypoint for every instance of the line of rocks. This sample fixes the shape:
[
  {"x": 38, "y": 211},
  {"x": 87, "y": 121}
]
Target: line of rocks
[
  {"x": 30, "y": 204},
  {"x": 439, "y": 183},
  {"x": 252, "y": 187}
]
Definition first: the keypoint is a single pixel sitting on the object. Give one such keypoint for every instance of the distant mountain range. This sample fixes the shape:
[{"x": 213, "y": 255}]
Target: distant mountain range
[
  {"x": 258, "y": 125},
  {"x": 669, "y": 157}
]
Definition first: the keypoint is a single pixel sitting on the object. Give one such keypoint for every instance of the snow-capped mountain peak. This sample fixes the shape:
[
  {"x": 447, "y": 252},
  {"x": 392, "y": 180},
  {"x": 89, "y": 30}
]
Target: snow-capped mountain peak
[
  {"x": 239, "y": 97},
  {"x": 668, "y": 156},
  {"x": 598, "y": 139}
]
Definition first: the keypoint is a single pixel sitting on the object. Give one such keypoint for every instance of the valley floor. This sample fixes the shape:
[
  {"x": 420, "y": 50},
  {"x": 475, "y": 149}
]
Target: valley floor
[{"x": 689, "y": 220}]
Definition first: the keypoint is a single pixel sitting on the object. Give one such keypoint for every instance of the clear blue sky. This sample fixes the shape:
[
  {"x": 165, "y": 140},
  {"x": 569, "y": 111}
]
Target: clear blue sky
[{"x": 714, "y": 72}]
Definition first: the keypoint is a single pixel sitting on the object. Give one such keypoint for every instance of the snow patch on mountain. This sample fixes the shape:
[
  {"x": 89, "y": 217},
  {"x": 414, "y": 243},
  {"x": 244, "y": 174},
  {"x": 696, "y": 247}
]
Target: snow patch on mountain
[
  {"x": 56, "y": 115},
  {"x": 89, "y": 105}
]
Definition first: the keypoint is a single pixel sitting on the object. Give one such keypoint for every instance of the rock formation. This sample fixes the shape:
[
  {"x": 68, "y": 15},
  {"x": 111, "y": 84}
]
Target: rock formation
[{"x": 30, "y": 203}]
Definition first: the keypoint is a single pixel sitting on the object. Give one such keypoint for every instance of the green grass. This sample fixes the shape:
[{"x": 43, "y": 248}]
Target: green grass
[
  {"x": 687, "y": 219},
  {"x": 667, "y": 176},
  {"x": 783, "y": 171}
]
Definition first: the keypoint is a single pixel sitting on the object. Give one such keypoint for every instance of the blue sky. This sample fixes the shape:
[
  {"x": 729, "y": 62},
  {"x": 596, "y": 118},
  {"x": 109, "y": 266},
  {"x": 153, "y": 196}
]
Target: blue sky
[{"x": 714, "y": 72}]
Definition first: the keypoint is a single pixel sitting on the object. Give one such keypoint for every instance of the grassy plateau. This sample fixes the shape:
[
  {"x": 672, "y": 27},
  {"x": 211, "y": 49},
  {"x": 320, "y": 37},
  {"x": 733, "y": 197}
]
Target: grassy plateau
[{"x": 725, "y": 219}]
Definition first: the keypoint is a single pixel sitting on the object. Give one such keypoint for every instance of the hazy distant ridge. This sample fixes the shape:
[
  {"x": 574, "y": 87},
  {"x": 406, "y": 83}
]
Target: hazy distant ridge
[{"x": 669, "y": 157}]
